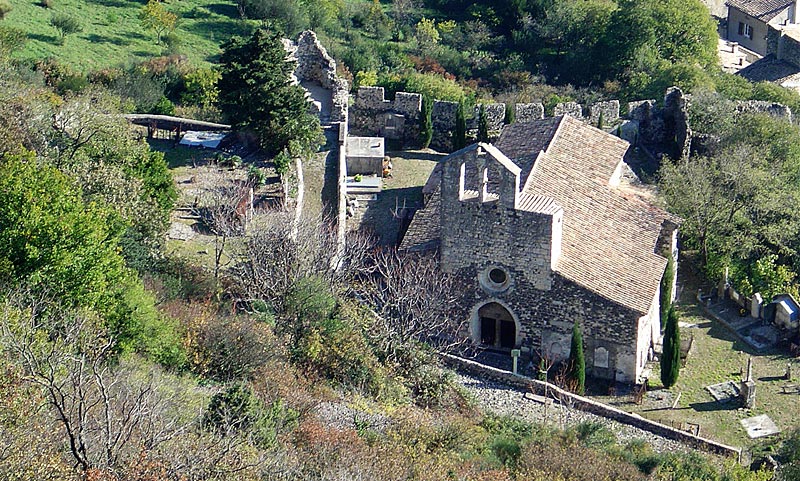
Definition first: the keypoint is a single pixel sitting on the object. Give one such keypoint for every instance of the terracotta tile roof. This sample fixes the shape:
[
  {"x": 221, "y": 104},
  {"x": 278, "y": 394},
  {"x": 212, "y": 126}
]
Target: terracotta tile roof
[
  {"x": 764, "y": 10},
  {"x": 609, "y": 235},
  {"x": 771, "y": 69}
]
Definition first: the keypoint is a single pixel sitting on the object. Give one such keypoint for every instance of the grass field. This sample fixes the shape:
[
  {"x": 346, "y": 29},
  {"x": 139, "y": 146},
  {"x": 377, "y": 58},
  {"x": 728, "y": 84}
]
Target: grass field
[
  {"x": 113, "y": 35},
  {"x": 717, "y": 355}
]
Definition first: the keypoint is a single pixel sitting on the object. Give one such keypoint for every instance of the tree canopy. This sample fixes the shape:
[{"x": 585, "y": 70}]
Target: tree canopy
[
  {"x": 257, "y": 95},
  {"x": 740, "y": 202}
]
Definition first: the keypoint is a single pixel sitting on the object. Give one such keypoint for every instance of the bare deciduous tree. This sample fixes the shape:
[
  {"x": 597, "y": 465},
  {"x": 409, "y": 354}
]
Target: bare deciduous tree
[
  {"x": 106, "y": 410},
  {"x": 276, "y": 256},
  {"x": 412, "y": 298},
  {"x": 224, "y": 206}
]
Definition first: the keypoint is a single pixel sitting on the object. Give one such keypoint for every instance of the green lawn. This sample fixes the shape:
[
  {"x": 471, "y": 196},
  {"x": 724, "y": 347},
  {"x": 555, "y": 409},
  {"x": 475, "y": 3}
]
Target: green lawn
[
  {"x": 717, "y": 356},
  {"x": 113, "y": 35}
]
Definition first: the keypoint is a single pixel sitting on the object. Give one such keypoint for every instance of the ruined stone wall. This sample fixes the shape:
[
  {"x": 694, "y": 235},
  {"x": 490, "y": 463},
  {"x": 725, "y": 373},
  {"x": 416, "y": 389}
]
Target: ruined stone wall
[
  {"x": 647, "y": 123},
  {"x": 589, "y": 405},
  {"x": 373, "y": 115},
  {"x": 495, "y": 116},
  {"x": 609, "y": 110},
  {"x": 677, "y": 133},
  {"x": 573, "y": 109},
  {"x": 759, "y": 106},
  {"x": 315, "y": 65},
  {"x": 370, "y": 111},
  {"x": 443, "y": 119}
]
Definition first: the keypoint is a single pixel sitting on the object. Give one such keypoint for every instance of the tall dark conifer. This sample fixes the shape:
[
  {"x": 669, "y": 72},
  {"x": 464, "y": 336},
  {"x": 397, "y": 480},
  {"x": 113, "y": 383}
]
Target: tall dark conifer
[
  {"x": 577, "y": 363},
  {"x": 483, "y": 125},
  {"x": 256, "y": 94},
  {"x": 460, "y": 133},
  {"x": 425, "y": 123},
  {"x": 671, "y": 355}
]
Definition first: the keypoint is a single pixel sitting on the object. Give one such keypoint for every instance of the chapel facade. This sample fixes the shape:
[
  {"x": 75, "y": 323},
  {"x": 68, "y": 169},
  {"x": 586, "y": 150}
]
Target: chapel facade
[{"x": 547, "y": 228}]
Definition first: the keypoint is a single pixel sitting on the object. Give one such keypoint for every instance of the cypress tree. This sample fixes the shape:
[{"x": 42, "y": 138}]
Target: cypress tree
[
  {"x": 666, "y": 288},
  {"x": 483, "y": 125},
  {"x": 511, "y": 114},
  {"x": 671, "y": 355},
  {"x": 425, "y": 123},
  {"x": 577, "y": 363},
  {"x": 460, "y": 133}
]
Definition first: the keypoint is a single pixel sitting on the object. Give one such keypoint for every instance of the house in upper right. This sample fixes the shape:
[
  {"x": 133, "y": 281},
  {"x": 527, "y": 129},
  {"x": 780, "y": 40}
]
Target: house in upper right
[{"x": 749, "y": 21}]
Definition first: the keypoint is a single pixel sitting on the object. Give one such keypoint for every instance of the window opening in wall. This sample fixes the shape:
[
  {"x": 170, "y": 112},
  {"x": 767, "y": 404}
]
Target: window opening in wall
[
  {"x": 746, "y": 30},
  {"x": 498, "y": 276},
  {"x": 494, "y": 279}
]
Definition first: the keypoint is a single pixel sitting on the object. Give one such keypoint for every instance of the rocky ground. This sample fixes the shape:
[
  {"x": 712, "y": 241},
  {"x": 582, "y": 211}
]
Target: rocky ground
[{"x": 507, "y": 400}]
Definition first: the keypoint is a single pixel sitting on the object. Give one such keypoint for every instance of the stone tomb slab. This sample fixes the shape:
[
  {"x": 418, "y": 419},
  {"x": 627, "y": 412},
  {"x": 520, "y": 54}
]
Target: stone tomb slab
[
  {"x": 759, "y": 426},
  {"x": 724, "y": 392}
]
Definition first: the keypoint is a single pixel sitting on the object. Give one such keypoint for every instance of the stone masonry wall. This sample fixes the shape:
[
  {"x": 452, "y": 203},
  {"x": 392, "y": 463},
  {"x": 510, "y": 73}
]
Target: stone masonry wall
[
  {"x": 495, "y": 116},
  {"x": 372, "y": 115},
  {"x": 666, "y": 126},
  {"x": 315, "y": 65},
  {"x": 759, "y": 106},
  {"x": 573, "y": 109},
  {"x": 609, "y": 110},
  {"x": 546, "y": 316},
  {"x": 528, "y": 112},
  {"x": 443, "y": 118}
]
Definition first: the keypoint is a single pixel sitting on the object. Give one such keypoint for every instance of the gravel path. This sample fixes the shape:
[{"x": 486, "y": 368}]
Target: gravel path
[{"x": 503, "y": 399}]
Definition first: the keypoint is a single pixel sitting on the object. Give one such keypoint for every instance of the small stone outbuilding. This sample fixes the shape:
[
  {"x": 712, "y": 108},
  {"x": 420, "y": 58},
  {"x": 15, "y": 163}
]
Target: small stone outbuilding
[{"x": 545, "y": 229}]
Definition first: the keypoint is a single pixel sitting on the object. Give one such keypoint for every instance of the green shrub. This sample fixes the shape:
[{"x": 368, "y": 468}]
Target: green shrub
[
  {"x": 201, "y": 87},
  {"x": 282, "y": 162},
  {"x": 164, "y": 106},
  {"x": 430, "y": 384},
  {"x": 507, "y": 451},
  {"x": 72, "y": 83},
  {"x": 237, "y": 410},
  {"x": 5, "y": 9},
  {"x": 594, "y": 435},
  {"x": 770, "y": 92}
]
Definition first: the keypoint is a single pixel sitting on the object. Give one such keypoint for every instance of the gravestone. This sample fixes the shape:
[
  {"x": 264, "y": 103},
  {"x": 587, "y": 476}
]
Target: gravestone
[
  {"x": 755, "y": 305},
  {"x": 747, "y": 389}
]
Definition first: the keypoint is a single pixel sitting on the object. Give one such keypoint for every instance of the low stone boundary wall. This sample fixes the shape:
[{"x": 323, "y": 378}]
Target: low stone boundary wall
[
  {"x": 588, "y": 405},
  {"x": 341, "y": 189}
]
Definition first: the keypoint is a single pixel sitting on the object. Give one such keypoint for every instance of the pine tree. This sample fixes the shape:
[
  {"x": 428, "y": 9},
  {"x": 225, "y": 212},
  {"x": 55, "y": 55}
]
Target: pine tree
[
  {"x": 577, "y": 363},
  {"x": 483, "y": 125},
  {"x": 425, "y": 123},
  {"x": 257, "y": 95},
  {"x": 666, "y": 288},
  {"x": 671, "y": 355},
  {"x": 460, "y": 133}
]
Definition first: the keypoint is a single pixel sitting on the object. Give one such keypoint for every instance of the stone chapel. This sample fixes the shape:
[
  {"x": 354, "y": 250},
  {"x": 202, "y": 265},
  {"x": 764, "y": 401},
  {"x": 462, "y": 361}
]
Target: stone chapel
[{"x": 546, "y": 228}]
